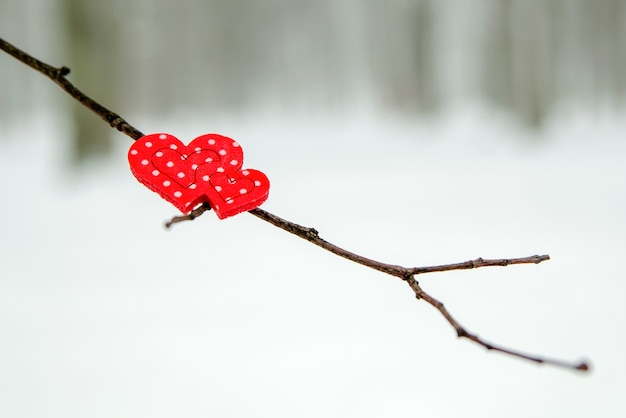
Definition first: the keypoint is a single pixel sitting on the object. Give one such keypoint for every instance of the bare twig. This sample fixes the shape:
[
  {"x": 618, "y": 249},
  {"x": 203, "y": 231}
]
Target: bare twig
[
  {"x": 480, "y": 262},
  {"x": 461, "y": 332},
  {"x": 408, "y": 274},
  {"x": 58, "y": 75},
  {"x": 311, "y": 235},
  {"x": 192, "y": 215}
]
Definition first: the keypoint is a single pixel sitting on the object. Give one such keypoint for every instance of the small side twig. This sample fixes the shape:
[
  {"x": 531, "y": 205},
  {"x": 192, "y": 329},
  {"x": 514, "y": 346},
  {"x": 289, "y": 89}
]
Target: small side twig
[
  {"x": 192, "y": 215},
  {"x": 58, "y": 75},
  {"x": 480, "y": 262},
  {"x": 464, "y": 333}
]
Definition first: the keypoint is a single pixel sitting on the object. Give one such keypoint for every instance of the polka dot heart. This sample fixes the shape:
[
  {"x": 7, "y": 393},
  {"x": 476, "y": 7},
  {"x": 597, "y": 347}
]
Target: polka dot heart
[{"x": 206, "y": 170}]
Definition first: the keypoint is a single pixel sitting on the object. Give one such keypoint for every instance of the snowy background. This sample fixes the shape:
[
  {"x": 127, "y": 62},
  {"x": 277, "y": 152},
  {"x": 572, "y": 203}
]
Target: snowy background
[{"x": 105, "y": 313}]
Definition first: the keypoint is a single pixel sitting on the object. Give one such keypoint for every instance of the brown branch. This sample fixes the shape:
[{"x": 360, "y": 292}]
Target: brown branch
[
  {"x": 480, "y": 262},
  {"x": 311, "y": 235},
  {"x": 461, "y": 332},
  {"x": 58, "y": 75},
  {"x": 407, "y": 274},
  {"x": 192, "y": 215}
]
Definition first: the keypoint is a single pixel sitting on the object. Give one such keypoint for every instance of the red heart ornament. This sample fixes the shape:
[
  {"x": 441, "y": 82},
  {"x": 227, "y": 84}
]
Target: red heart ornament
[{"x": 206, "y": 170}]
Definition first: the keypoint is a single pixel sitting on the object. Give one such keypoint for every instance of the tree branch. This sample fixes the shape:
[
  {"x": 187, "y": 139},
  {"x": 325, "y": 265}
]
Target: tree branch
[
  {"x": 58, "y": 75},
  {"x": 192, "y": 215},
  {"x": 461, "y": 332}
]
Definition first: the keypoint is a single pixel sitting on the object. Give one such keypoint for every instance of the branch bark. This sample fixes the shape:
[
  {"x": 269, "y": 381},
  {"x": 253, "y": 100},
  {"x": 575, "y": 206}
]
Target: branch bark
[{"x": 58, "y": 75}]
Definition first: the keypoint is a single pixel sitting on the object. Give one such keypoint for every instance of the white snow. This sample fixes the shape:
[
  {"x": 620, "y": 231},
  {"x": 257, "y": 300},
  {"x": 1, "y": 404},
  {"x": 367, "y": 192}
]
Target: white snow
[{"x": 105, "y": 313}]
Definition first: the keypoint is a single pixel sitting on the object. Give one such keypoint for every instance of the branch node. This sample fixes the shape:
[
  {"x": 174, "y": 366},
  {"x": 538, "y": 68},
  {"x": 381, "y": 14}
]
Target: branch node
[
  {"x": 117, "y": 123},
  {"x": 461, "y": 333},
  {"x": 63, "y": 71}
]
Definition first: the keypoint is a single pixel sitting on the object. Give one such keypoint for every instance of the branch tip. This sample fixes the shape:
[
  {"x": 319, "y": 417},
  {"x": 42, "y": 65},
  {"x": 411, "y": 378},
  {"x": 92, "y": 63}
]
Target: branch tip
[
  {"x": 584, "y": 367},
  {"x": 189, "y": 217}
]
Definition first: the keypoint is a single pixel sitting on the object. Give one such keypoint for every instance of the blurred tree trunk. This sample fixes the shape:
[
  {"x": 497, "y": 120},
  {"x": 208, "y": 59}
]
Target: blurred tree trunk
[
  {"x": 92, "y": 53},
  {"x": 426, "y": 90},
  {"x": 402, "y": 48},
  {"x": 518, "y": 67}
]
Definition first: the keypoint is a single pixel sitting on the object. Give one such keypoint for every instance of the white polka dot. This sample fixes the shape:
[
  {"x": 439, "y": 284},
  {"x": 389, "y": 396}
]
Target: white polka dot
[
  {"x": 211, "y": 141},
  {"x": 133, "y": 152},
  {"x": 144, "y": 162},
  {"x": 162, "y": 136},
  {"x": 229, "y": 200},
  {"x": 155, "y": 172},
  {"x": 234, "y": 162},
  {"x": 235, "y": 144},
  {"x": 148, "y": 144},
  {"x": 197, "y": 149},
  {"x": 177, "y": 194},
  {"x": 220, "y": 169},
  {"x": 194, "y": 166},
  {"x": 180, "y": 175},
  {"x": 159, "y": 154},
  {"x": 208, "y": 160},
  {"x": 243, "y": 191},
  {"x": 222, "y": 152},
  {"x": 218, "y": 188},
  {"x": 182, "y": 157},
  {"x": 257, "y": 183},
  {"x": 205, "y": 178},
  {"x": 170, "y": 164},
  {"x": 173, "y": 146},
  {"x": 245, "y": 172},
  {"x": 166, "y": 183},
  {"x": 192, "y": 186}
]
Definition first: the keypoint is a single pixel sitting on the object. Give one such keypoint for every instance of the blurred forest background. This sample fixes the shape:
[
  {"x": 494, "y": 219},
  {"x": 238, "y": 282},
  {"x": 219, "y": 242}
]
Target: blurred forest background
[
  {"x": 415, "y": 132},
  {"x": 528, "y": 58}
]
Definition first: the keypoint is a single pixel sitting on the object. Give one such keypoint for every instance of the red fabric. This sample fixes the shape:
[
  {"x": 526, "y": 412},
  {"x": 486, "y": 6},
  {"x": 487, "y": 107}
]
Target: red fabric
[{"x": 206, "y": 170}]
